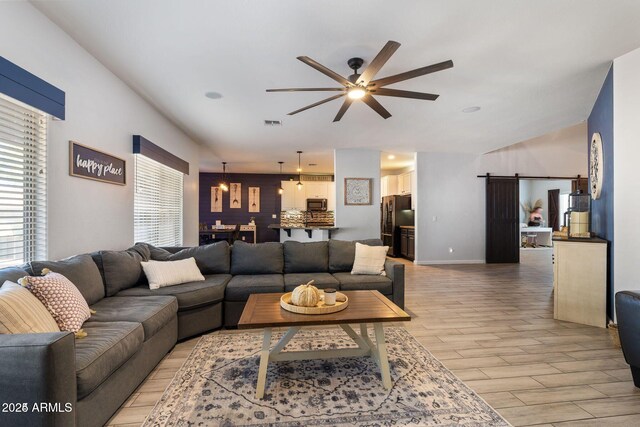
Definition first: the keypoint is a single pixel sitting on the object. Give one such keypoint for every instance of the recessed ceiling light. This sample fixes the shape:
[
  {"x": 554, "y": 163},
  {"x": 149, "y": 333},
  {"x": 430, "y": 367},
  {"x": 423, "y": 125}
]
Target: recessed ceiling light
[
  {"x": 391, "y": 157},
  {"x": 213, "y": 95},
  {"x": 471, "y": 109}
]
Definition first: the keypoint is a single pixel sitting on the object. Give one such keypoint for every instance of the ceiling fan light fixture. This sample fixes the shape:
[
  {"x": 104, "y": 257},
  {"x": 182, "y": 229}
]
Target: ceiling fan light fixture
[{"x": 356, "y": 92}]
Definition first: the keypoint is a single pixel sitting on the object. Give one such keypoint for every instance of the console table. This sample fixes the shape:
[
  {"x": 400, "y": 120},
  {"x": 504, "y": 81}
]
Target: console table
[
  {"x": 543, "y": 234},
  {"x": 229, "y": 228}
]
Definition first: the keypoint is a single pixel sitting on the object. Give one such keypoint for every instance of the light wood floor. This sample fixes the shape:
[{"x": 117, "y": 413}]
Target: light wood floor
[{"x": 493, "y": 326}]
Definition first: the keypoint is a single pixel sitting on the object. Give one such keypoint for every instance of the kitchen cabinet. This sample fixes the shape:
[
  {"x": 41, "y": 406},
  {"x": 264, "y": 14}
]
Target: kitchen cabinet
[
  {"x": 389, "y": 185},
  {"x": 405, "y": 183},
  {"x": 316, "y": 190},
  {"x": 580, "y": 281},
  {"x": 292, "y": 198},
  {"x": 407, "y": 242},
  {"x": 331, "y": 196}
]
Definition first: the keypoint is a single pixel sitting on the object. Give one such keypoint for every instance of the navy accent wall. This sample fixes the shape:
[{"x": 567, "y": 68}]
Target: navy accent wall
[
  {"x": 20, "y": 84},
  {"x": 601, "y": 120},
  {"x": 270, "y": 202}
]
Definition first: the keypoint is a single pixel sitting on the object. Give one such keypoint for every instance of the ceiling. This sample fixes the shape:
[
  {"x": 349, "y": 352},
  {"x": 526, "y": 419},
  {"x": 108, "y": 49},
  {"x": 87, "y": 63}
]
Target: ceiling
[{"x": 532, "y": 67}]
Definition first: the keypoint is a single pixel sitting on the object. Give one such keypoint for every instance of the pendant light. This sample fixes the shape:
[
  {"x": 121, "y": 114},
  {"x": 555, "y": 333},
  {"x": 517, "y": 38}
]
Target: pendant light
[
  {"x": 280, "y": 189},
  {"x": 299, "y": 184},
  {"x": 224, "y": 186}
]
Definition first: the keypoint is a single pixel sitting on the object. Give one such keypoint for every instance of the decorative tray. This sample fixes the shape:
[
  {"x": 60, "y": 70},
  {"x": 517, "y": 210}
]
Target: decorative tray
[{"x": 320, "y": 308}]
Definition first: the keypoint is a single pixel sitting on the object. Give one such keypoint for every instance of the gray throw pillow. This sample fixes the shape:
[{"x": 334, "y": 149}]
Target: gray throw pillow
[
  {"x": 122, "y": 269},
  {"x": 210, "y": 259},
  {"x": 80, "y": 270},
  {"x": 342, "y": 253},
  {"x": 310, "y": 257},
  {"x": 260, "y": 258}
]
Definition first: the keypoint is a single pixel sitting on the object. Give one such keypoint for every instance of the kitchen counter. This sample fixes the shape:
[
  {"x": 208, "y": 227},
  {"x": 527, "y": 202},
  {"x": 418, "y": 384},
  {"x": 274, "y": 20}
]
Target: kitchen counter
[{"x": 311, "y": 233}]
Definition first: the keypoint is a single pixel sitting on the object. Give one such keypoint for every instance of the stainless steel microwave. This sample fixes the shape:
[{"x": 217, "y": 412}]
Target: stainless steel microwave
[{"x": 317, "y": 205}]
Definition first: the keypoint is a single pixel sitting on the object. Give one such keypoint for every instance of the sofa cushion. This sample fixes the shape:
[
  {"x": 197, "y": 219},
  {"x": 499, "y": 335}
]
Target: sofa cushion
[
  {"x": 190, "y": 295},
  {"x": 351, "y": 282},
  {"x": 307, "y": 257},
  {"x": 80, "y": 270},
  {"x": 12, "y": 274},
  {"x": 321, "y": 280},
  {"x": 342, "y": 253},
  {"x": 240, "y": 287},
  {"x": 211, "y": 259},
  {"x": 261, "y": 258},
  {"x": 107, "y": 346},
  {"x": 153, "y": 312},
  {"x": 122, "y": 269}
]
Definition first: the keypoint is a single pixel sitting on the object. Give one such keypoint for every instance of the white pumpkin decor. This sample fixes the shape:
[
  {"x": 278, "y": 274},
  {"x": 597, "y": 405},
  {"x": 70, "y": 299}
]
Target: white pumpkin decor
[{"x": 305, "y": 295}]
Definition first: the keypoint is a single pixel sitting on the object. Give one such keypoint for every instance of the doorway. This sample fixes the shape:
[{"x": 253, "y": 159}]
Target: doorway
[
  {"x": 510, "y": 203},
  {"x": 546, "y": 199}
]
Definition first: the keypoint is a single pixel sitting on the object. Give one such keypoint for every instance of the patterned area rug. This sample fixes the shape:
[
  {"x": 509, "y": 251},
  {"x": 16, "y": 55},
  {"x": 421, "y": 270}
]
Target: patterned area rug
[{"x": 216, "y": 387}]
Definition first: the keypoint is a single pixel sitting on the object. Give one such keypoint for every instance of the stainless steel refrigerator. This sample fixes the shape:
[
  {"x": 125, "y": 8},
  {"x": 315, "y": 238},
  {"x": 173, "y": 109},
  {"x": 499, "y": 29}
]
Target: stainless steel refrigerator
[{"x": 396, "y": 211}]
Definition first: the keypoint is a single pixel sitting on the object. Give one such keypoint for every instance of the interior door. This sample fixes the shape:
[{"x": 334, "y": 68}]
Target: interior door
[
  {"x": 554, "y": 209},
  {"x": 503, "y": 220},
  {"x": 581, "y": 184}
]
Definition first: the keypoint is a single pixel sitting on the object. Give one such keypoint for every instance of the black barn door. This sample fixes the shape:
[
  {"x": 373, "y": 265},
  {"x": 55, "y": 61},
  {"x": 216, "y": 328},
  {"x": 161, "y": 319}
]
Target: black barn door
[{"x": 503, "y": 220}]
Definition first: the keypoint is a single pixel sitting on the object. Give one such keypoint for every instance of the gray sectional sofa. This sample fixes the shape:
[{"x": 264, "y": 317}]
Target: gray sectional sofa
[{"x": 86, "y": 380}]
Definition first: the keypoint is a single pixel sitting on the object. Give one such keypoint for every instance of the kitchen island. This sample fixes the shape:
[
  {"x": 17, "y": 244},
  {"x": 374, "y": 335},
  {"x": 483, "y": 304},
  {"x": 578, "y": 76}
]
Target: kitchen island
[{"x": 303, "y": 233}]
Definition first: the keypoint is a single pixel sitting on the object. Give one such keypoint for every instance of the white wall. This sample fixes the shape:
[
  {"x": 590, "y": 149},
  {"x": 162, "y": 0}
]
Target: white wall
[
  {"x": 525, "y": 197},
  {"x": 626, "y": 153},
  {"x": 449, "y": 190},
  {"x": 102, "y": 112},
  {"x": 449, "y": 210},
  {"x": 357, "y": 222},
  {"x": 557, "y": 153}
]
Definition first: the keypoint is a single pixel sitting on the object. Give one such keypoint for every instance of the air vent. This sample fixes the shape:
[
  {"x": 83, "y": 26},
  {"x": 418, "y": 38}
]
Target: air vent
[
  {"x": 272, "y": 123},
  {"x": 317, "y": 178}
]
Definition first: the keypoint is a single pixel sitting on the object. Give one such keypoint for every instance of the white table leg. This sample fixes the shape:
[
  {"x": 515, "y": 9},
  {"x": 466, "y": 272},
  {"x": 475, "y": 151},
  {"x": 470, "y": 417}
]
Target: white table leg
[
  {"x": 264, "y": 362},
  {"x": 381, "y": 347}
]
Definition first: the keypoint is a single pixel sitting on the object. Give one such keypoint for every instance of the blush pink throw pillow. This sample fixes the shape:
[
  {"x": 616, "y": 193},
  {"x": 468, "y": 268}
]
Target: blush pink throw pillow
[{"x": 61, "y": 298}]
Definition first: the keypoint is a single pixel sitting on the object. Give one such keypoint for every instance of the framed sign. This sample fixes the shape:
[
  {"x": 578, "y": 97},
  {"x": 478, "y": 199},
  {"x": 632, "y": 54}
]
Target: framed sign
[
  {"x": 254, "y": 199},
  {"x": 216, "y": 199},
  {"x": 85, "y": 162},
  {"x": 235, "y": 195},
  {"x": 357, "y": 191}
]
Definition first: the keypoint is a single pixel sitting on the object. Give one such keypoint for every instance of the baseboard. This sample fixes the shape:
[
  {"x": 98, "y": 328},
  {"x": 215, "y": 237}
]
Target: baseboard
[{"x": 450, "y": 261}]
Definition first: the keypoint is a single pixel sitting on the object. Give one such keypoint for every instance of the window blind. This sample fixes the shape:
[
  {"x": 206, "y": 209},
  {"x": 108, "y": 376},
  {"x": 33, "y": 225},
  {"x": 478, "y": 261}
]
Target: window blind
[
  {"x": 23, "y": 183},
  {"x": 158, "y": 203}
]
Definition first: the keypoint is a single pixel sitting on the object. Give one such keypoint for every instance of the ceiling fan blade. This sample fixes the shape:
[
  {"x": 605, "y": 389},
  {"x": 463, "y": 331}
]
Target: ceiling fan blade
[
  {"x": 324, "y": 70},
  {"x": 404, "y": 94},
  {"x": 308, "y": 89},
  {"x": 381, "y": 58},
  {"x": 343, "y": 109},
  {"x": 376, "y": 106},
  {"x": 331, "y": 98},
  {"x": 411, "y": 74}
]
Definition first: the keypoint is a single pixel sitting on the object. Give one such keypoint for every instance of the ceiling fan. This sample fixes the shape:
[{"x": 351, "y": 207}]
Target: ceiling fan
[{"x": 363, "y": 87}]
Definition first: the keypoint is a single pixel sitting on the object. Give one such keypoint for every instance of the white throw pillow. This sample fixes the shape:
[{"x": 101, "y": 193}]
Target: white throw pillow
[
  {"x": 23, "y": 313},
  {"x": 169, "y": 273},
  {"x": 369, "y": 259}
]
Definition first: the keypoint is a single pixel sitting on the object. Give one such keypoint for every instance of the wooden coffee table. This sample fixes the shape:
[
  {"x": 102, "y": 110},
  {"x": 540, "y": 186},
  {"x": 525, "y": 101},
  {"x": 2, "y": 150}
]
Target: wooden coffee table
[{"x": 264, "y": 311}]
